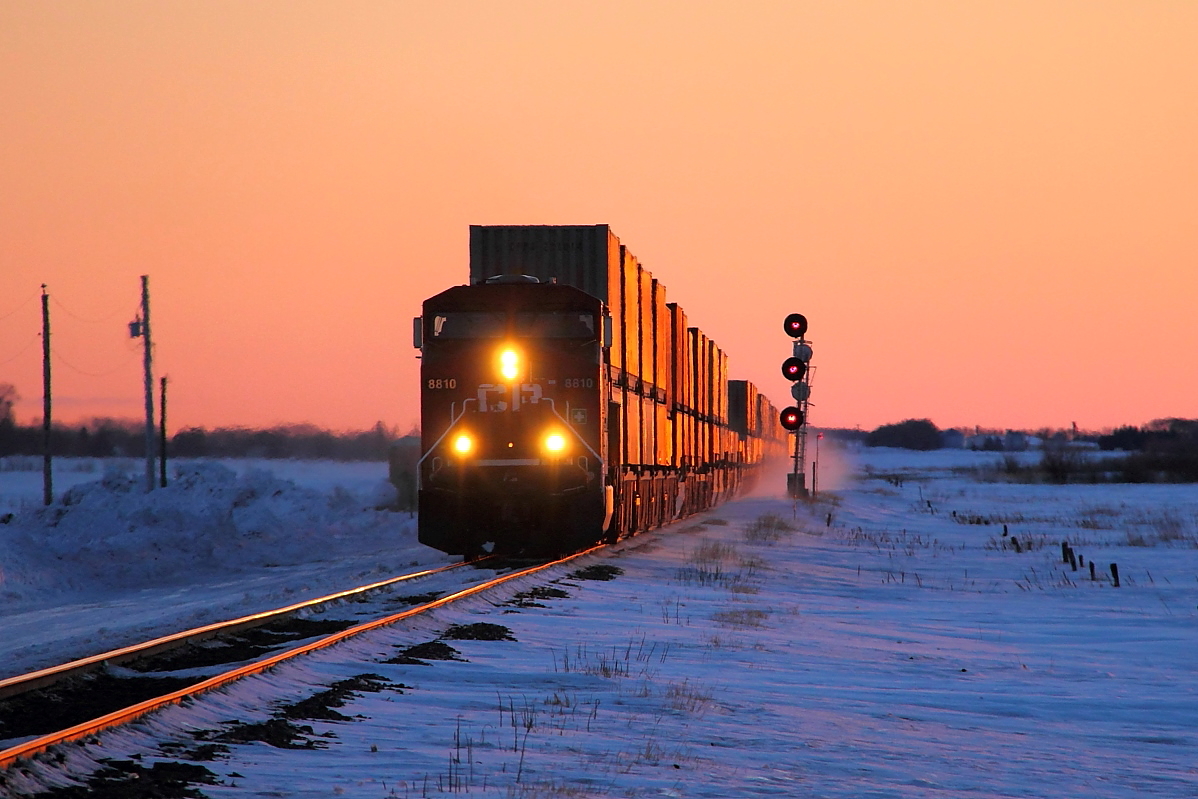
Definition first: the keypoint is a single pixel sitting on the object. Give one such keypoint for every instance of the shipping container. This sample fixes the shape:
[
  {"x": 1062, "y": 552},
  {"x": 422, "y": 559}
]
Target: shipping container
[
  {"x": 584, "y": 256},
  {"x": 633, "y": 432},
  {"x": 666, "y": 455},
  {"x": 661, "y": 342},
  {"x": 696, "y": 345},
  {"x": 764, "y": 413},
  {"x": 630, "y": 313},
  {"x": 679, "y": 365},
  {"x": 738, "y": 403},
  {"x": 645, "y": 294},
  {"x": 588, "y": 257},
  {"x": 720, "y": 385},
  {"x": 649, "y": 428}
]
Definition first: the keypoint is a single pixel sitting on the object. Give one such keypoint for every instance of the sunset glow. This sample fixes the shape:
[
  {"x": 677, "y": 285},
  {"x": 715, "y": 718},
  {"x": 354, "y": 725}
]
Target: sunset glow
[{"x": 988, "y": 211}]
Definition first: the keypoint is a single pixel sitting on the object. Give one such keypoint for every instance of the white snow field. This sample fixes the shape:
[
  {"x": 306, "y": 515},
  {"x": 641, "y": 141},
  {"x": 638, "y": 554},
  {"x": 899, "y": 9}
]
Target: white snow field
[
  {"x": 109, "y": 565},
  {"x": 884, "y": 641}
]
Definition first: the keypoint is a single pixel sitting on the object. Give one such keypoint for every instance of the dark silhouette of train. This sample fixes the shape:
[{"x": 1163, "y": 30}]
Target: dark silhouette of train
[{"x": 565, "y": 403}]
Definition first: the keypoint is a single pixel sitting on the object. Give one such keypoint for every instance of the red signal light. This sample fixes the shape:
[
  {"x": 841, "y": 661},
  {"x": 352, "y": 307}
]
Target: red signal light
[
  {"x": 795, "y": 325},
  {"x": 791, "y": 418},
  {"x": 793, "y": 369}
]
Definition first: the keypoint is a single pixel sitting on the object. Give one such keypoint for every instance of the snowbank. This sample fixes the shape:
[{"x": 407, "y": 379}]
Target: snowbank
[{"x": 110, "y": 534}]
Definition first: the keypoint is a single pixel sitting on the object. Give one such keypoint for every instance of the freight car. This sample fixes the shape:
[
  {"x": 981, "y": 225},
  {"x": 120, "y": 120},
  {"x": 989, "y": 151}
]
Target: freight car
[{"x": 564, "y": 402}]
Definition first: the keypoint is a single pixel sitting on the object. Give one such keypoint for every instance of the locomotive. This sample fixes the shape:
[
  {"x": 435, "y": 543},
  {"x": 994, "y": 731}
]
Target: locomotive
[{"x": 565, "y": 403}]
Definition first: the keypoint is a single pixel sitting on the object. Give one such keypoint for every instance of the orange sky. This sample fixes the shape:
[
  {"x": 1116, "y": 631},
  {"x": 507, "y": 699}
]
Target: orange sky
[{"x": 988, "y": 210}]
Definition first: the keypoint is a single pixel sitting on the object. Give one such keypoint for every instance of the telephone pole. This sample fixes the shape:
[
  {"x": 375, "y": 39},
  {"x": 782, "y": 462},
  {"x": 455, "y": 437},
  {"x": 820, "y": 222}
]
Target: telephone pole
[
  {"x": 47, "y": 470},
  {"x": 149, "y": 369},
  {"x": 162, "y": 433}
]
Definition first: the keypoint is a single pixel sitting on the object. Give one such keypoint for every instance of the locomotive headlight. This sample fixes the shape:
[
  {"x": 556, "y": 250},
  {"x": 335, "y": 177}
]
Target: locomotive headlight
[
  {"x": 509, "y": 364},
  {"x": 555, "y": 443},
  {"x": 463, "y": 444}
]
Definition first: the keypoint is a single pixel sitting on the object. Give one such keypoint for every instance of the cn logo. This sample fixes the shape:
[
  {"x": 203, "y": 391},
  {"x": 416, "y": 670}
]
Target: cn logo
[{"x": 491, "y": 396}]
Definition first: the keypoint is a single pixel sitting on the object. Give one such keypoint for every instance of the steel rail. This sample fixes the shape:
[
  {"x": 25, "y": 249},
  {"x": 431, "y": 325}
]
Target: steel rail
[
  {"x": 10, "y": 756},
  {"x": 23, "y": 683}
]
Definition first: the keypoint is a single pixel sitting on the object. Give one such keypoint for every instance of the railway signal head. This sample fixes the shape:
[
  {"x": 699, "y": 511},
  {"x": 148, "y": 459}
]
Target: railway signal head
[
  {"x": 791, "y": 418},
  {"x": 795, "y": 325},
  {"x": 794, "y": 368}
]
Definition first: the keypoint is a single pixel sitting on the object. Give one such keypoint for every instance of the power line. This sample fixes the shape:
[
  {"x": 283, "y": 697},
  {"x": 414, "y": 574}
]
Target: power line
[
  {"x": 20, "y": 306},
  {"x": 72, "y": 367},
  {"x": 21, "y": 351},
  {"x": 74, "y": 315}
]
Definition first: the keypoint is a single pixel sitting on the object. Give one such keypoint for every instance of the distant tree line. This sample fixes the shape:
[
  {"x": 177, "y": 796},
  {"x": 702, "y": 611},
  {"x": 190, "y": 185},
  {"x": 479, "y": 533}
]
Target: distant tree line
[
  {"x": 1164, "y": 450},
  {"x": 102, "y": 438},
  {"x": 1160, "y": 435},
  {"x": 919, "y": 434},
  {"x": 284, "y": 441}
]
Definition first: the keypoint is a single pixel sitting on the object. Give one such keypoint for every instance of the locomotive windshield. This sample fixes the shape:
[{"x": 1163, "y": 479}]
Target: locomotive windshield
[
  {"x": 469, "y": 324},
  {"x": 541, "y": 324},
  {"x": 564, "y": 324}
]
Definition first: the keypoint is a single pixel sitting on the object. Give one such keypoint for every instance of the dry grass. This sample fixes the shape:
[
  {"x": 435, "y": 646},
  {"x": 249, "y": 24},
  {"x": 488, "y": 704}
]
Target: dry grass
[
  {"x": 709, "y": 564},
  {"x": 617, "y": 661},
  {"x": 551, "y": 790},
  {"x": 1166, "y": 527},
  {"x": 716, "y": 563},
  {"x": 768, "y": 529},
  {"x": 741, "y": 618},
  {"x": 687, "y": 697}
]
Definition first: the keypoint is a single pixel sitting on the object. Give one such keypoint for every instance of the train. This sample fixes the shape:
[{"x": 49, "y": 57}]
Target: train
[{"x": 565, "y": 403}]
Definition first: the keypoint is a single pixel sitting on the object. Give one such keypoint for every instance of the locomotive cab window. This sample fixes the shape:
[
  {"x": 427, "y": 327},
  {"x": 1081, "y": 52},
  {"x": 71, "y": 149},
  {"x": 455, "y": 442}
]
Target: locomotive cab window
[
  {"x": 468, "y": 324},
  {"x": 489, "y": 324},
  {"x": 557, "y": 324}
]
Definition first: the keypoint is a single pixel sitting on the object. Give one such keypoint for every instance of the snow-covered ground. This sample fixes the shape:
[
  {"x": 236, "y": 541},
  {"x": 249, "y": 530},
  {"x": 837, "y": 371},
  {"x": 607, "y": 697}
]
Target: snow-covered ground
[
  {"x": 891, "y": 643},
  {"x": 109, "y": 565}
]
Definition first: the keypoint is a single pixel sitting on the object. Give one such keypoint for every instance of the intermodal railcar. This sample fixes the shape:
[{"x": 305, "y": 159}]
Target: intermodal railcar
[{"x": 564, "y": 402}]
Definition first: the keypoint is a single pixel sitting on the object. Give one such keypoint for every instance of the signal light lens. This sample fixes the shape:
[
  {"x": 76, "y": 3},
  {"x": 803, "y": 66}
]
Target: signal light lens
[
  {"x": 793, "y": 369},
  {"x": 795, "y": 325},
  {"x": 463, "y": 444},
  {"x": 509, "y": 364},
  {"x": 791, "y": 418},
  {"x": 555, "y": 443}
]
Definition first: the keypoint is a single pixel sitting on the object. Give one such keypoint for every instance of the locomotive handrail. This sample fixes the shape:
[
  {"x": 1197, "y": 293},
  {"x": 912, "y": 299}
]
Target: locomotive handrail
[
  {"x": 570, "y": 427},
  {"x": 437, "y": 443}
]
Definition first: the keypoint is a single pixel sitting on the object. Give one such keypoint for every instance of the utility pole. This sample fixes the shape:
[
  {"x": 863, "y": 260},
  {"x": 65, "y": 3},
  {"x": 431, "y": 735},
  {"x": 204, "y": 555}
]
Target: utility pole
[
  {"x": 47, "y": 466},
  {"x": 815, "y": 466},
  {"x": 162, "y": 434},
  {"x": 149, "y": 369}
]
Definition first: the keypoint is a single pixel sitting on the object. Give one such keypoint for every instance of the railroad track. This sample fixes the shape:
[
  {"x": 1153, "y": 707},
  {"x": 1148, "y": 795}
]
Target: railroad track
[{"x": 36, "y": 696}]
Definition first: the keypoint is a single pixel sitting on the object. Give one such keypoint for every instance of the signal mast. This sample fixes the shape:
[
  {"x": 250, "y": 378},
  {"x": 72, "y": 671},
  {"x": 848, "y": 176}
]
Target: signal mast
[{"x": 796, "y": 369}]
